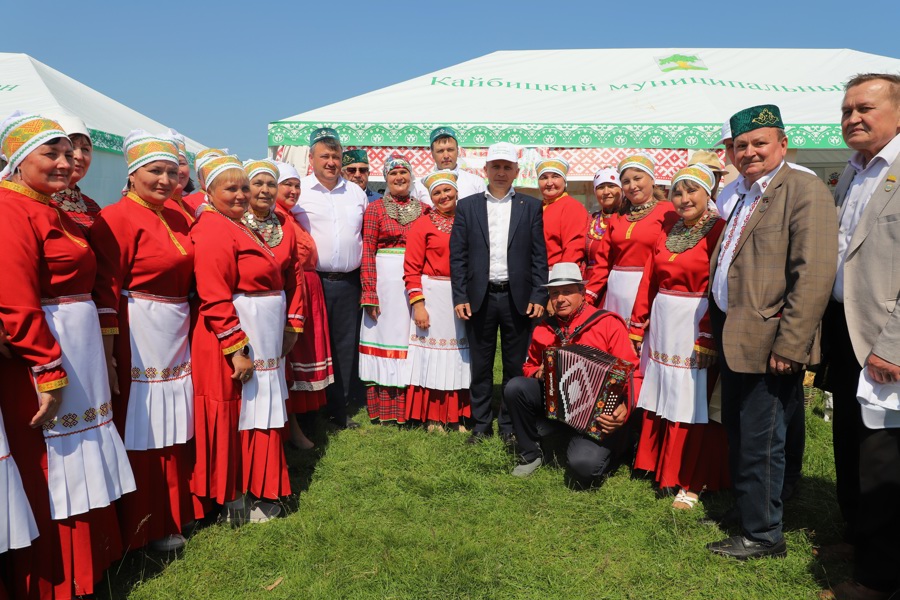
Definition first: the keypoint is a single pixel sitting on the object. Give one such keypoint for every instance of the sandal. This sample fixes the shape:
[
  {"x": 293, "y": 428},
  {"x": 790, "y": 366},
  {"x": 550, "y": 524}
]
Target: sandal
[{"x": 683, "y": 501}]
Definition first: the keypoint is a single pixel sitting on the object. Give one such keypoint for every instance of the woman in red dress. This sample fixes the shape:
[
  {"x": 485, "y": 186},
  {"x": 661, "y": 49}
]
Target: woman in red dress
[
  {"x": 608, "y": 191},
  {"x": 309, "y": 366},
  {"x": 438, "y": 349},
  {"x": 630, "y": 238},
  {"x": 384, "y": 335},
  {"x": 249, "y": 319},
  {"x": 565, "y": 218},
  {"x": 80, "y": 208},
  {"x": 145, "y": 271},
  {"x": 671, "y": 321},
  {"x": 195, "y": 200},
  {"x": 56, "y": 400}
]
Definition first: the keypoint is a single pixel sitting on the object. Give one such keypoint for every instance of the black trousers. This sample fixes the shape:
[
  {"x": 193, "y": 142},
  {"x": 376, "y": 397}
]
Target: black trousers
[
  {"x": 344, "y": 316},
  {"x": 496, "y": 313},
  {"x": 586, "y": 460},
  {"x": 867, "y": 465},
  {"x": 756, "y": 412}
]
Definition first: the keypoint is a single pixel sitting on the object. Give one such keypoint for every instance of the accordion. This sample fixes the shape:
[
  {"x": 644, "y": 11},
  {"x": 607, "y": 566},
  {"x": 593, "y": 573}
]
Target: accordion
[{"x": 582, "y": 383}]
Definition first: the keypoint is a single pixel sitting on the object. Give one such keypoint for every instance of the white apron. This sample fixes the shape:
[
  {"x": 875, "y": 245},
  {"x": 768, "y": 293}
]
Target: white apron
[
  {"x": 439, "y": 356},
  {"x": 621, "y": 290},
  {"x": 383, "y": 344},
  {"x": 674, "y": 388},
  {"x": 263, "y": 318},
  {"x": 161, "y": 400},
  {"x": 86, "y": 460},
  {"x": 17, "y": 526}
]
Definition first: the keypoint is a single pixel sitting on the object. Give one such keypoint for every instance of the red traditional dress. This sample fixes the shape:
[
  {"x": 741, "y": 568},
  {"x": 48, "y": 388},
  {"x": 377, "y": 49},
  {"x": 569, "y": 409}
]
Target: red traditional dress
[
  {"x": 193, "y": 202},
  {"x": 624, "y": 249},
  {"x": 188, "y": 210},
  {"x": 439, "y": 355},
  {"x": 81, "y": 209},
  {"x": 145, "y": 271},
  {"x": 383, "y": 344},
  {"x": 597, "y": 227},
  {"x": 565, "y": 221},
  {"x": 309, "y": 369},
  {"x": 75, "y": 467},
  {"x": 671, "y": 318},
  {"x": 246, "y": 297}
]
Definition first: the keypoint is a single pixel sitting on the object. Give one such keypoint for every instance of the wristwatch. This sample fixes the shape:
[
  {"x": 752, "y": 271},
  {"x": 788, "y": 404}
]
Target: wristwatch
[{"x": 245, "y": 351}]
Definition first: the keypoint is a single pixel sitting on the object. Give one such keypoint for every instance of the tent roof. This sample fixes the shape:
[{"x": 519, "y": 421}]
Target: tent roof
[
  {"x": 639, "y": 98},
  {"x": 28, "y": 84}
]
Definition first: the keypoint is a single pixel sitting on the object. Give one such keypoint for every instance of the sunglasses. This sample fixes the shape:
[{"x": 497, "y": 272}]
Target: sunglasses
[{"x": 355, "y": 170}]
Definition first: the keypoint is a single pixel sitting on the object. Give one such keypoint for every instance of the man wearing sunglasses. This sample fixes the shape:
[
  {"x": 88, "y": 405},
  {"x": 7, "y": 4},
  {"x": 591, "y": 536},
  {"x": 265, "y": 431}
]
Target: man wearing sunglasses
[{"x": 355, "y": 168}]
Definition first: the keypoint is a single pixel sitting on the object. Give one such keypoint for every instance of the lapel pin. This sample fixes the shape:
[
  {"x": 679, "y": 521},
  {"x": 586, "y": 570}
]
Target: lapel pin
[
  {"x": 891, "y": 180},
  {"x": 764, "y": 204}
]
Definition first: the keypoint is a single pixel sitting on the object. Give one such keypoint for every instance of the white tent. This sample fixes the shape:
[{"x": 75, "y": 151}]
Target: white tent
[
  {"x": 594, "y": 106},
  {"x": 28, "y": 84}
]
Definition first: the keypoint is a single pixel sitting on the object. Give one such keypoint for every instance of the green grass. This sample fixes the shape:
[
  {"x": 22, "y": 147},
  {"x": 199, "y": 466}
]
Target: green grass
[{"x": 388, "y": 513}]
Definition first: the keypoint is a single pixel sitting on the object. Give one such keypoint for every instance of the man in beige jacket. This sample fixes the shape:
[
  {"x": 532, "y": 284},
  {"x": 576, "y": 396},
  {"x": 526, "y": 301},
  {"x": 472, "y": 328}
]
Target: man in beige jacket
[
  {"x": 862, "y": 336},
  {"x": 771, "y": 275}
]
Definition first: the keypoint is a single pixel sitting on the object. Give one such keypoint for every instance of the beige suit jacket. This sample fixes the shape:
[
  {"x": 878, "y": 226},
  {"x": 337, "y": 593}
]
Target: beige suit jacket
[
  {"x": 782, "y": 274},
  {"x": 872, "y": 269}
]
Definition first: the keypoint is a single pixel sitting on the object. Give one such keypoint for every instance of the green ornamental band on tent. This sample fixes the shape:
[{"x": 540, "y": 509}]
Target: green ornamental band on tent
[
  {"x": 28, "y": 84},
  {"x": 595, "y": 106}
]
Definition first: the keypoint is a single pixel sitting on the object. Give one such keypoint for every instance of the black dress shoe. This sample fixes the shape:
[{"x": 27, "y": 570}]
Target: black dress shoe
[
  {"x": 477, "y": 437},
  {"x": 741, "y": 548}
]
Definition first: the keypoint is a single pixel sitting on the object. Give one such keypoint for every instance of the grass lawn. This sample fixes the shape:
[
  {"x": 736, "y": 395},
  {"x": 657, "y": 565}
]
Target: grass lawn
[{"x": 388, "y": 513}]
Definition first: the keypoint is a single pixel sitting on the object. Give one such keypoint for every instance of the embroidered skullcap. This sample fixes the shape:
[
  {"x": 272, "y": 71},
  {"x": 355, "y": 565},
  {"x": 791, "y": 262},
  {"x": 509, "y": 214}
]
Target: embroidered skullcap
[
  {"x": 699, "y": 174},
  {"x": 286, "y": 171},
  {"x": 142, "y": 148},
  {"x": 553, "y": 165},
  {"x": 352, "y": 157},
  {"x": 638, "y": 161},
  {"x": 254, "y": 167},
  {"x": 443, "y": 132},
  {"x": 72, "y": 125},
  {"x": 323, "y": 133},
  {"x": 21, "y": 134},
  {"x": 217, "y": 165},
  {"x": 708, "y": 158},
  {"x": 201, "y": 158},
  {"x": 607, "y": 175},
  {"x": 440, "y": 178},
  {"x": 180, "y": 143},
  {"x": 396, "y": 162},
  {"x": 755, "y": 117}
]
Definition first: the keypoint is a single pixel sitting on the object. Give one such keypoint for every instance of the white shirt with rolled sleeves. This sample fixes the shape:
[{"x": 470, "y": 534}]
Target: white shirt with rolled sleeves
[
  {"x": 864, "y": 183},
  {"x": 498, "y": 214},
  {"x": 334, "y": 220},
  {"x": 467, "y": 183},
  {"x": 729, "y": 196},
  {"x": 733, "y": 231}
]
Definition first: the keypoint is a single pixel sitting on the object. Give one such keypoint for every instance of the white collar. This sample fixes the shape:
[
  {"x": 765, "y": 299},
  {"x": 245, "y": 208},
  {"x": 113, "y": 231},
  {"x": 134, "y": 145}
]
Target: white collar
[
  {"x": 318, "y": 184},
  {"x": 762, "y": 183},
  {"x": 509, "y": 194},
  {"x": 888, "y": 154}
]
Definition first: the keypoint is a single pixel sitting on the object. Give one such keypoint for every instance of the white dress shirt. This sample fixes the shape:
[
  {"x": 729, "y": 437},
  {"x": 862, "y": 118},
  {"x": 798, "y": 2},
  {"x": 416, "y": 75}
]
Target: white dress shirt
[
  {"x": 467, "y": 183},
  {"x": 747, "y": 202},
  {"x": 334, "y": 220},
  {"x": 729, "y": 196},
  {"x": 864, "y": 184},
  {"x": 498, "y": 213}
]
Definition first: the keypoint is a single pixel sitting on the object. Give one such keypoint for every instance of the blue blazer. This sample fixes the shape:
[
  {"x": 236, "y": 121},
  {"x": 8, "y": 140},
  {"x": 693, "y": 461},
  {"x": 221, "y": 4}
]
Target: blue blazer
[{"x": 526, "y": 253}]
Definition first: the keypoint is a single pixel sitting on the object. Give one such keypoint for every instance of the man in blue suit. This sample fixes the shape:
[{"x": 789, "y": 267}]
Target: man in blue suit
[{"x": 498, "y": 266}]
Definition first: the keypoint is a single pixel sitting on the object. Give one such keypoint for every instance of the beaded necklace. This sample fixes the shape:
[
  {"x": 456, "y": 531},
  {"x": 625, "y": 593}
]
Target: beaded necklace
[
  {"x": 443, "y": 223},
  {"x": 237, "y": 223},
  {"x": 636, "y": 213},
  {"x": 46, "y": 200},
  {"x": 158, "y": 210},
  {"x": 70, "y": 201},
  {"x": 269, "y": 229},
  {"x": 682, "y": 238},
  {"x": 404, "y": 213}
]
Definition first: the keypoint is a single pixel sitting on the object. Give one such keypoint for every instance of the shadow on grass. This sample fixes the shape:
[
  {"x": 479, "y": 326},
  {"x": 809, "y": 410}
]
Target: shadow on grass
[{"x": 137, "y": 566}]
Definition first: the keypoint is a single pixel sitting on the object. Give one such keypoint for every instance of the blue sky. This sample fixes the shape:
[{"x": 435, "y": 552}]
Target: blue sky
[{"x": 220, "y": 71}]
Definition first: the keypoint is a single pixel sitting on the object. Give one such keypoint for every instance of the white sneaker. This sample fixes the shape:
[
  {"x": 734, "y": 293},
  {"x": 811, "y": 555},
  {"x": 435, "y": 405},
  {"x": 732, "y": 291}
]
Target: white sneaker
[
  {"x": 528, "y": 468},
  {"x": 169, "y": 543},
  {"x": 264, "y": 511}
]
